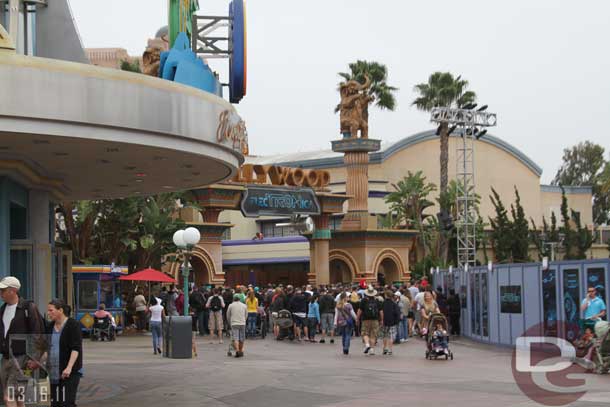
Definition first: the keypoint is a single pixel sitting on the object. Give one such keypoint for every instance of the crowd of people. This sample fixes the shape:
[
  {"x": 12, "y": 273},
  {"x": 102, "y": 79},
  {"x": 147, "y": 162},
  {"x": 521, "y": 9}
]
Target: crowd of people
[{"x": 378, "y": 314}]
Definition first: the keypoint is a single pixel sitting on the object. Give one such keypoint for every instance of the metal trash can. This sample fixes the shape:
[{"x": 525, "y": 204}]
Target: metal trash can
[{"x": 177, "y": 337}]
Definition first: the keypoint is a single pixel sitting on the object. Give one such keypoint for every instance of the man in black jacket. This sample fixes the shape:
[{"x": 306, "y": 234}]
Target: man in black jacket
[
  {"x": 327, "y": 314},
  {"x": 18, "y": 317},
  {"x": 298, "y": 307}
]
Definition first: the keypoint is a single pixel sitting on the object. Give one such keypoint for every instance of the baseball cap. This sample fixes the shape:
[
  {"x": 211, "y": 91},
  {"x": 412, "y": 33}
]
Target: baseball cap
[{"x": 11, "y": 282}]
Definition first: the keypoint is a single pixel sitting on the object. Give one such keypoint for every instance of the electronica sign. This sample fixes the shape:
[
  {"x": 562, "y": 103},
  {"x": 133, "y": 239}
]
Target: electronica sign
[{"x": 273, "y": 201}]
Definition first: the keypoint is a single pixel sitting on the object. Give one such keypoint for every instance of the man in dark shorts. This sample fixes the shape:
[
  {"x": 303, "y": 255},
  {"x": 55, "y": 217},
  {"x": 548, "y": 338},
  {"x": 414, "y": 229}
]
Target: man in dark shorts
[{"x": 298, "y": 307}]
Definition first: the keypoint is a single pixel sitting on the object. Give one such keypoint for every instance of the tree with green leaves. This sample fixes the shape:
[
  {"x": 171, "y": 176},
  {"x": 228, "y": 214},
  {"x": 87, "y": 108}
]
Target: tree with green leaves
[
  {"x": 502, "y": 230},
  {"x": 382, "y": 94},
  {"x": 578, "y": 239},
  {"x": 408, "y": 202},
  {"x": 137, "y": 231},
  {"x": 443, "y": 90},
  {"x": 543, "y": 239},
  {"x": 584, "y": 165},
  {"x": 520, "y": 231},
  {"x": 130, "y": 66}
]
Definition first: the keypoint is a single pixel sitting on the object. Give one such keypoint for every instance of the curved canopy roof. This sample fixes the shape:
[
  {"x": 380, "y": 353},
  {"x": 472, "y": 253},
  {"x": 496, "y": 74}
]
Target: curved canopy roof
[{"x": 330, "y": 159}]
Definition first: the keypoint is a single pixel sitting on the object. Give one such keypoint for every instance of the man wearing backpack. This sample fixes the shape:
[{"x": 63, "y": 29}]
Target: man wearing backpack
[
  {"x": 369, "y": 314},
  {"x": 17, "y": 317},
  {"x": 215, "y": 304}
]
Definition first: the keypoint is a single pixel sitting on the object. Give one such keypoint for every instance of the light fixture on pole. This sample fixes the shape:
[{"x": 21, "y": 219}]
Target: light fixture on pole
[
  {"x": 545, "y": 263},
  {"x": 490, "y": 266},
  {"x": 466, "y": 267},
  {"x": 450, "y": 269},
  {"x": 467, "y": 120},
  {"x": 185, "y": 240}
]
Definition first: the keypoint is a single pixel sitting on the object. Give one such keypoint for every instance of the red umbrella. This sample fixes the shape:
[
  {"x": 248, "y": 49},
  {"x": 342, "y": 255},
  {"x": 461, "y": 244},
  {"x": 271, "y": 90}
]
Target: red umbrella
[{"x": 149, "y": 275}]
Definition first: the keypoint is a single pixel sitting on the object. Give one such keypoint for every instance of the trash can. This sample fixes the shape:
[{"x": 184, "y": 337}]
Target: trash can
[{"x": 177, "y": 337}]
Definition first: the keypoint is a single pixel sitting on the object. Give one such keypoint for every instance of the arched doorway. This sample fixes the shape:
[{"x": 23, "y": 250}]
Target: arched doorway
[
  {"x": 339, "y": 272},
  {"x": 388, "y": 270},
  {"x": 200, "y": 274}
]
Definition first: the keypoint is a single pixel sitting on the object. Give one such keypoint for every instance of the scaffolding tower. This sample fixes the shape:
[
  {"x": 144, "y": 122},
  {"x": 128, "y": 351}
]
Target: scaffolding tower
[{"x": 467, "y": 123}]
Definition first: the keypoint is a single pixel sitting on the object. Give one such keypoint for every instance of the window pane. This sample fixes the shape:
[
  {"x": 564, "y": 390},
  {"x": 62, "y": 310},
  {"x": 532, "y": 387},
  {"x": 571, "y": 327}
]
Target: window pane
[
  {"x": 21, "y": 262},
  {"x": 87, "y": 295},
  {"x": 106, "y": 293},
  {"x": 19, "y": 224}
]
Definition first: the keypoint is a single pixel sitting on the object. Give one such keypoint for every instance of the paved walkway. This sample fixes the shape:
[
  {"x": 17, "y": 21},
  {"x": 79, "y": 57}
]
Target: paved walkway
[{"x": 126, "y": 373}]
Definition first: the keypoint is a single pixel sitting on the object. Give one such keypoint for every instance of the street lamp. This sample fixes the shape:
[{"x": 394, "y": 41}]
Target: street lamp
[{"x": 185, "y": 240}]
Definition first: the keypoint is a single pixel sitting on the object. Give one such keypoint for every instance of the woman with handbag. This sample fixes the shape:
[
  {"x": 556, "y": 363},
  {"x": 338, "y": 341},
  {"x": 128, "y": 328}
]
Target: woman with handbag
[
  {"x": 344, "y": 321},
  {"x": 65, "y": 355}
]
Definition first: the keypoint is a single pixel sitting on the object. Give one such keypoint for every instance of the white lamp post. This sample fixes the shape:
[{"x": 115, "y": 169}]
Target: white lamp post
[{"x": 185, "y": 240}]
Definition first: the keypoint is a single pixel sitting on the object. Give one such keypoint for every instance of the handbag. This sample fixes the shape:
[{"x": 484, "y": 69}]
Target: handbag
[{"x": 31, "y": 389}]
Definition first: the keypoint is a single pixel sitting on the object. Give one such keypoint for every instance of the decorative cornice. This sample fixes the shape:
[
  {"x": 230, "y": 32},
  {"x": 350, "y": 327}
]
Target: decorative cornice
[
  {"x": 267, "y": 240},
  {"x": 570, "y": 190},
  {"x": 276, "y": 260}
]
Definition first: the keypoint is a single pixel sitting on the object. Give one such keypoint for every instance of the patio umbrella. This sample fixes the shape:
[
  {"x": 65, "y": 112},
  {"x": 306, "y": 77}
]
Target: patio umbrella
[{"x": 148, "y": 275}]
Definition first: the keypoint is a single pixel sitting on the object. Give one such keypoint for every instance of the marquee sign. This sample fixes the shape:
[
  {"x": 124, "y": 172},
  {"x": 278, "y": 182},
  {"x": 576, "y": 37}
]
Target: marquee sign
[{"x": 274, "y": 201}]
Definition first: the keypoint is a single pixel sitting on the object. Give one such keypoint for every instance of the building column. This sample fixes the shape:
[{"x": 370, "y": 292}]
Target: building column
[
  {"x": 40, "y": 235},
  {"x": 356, "y": 158},
  {"x": 319, "y": 267},
  {"x": 5, "y": 239}
]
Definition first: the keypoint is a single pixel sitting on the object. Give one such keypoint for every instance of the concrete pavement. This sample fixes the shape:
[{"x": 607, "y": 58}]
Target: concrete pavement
[{"x": 126, "y": 373}]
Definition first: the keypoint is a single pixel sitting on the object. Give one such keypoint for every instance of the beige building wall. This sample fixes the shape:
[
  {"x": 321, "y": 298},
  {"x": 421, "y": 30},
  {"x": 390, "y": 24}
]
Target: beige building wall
[
  {"x": 109, "y": 57},
  {"x": 579, "y": 201},
  {"x": 266, "y": 251}
]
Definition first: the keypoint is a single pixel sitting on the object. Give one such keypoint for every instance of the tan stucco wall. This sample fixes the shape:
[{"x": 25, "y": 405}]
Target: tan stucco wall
[
  {"x": 266, "y": 251},
  {"x": 581, "y": 202}
]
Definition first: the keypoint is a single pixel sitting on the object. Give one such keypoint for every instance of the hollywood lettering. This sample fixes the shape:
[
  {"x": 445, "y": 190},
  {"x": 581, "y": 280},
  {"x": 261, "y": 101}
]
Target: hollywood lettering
[
  {"x": 232, "y": 129},
  {"x": 278, "y": 175}
]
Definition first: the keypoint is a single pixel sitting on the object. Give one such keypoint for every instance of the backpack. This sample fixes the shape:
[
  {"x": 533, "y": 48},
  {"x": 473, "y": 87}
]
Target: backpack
[
  {"x": 370, "y": 309},
  {"x": 215, "y": 304}
]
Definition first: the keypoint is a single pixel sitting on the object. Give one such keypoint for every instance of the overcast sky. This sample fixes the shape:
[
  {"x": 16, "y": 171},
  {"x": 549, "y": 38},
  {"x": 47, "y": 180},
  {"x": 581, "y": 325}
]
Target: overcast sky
[{"x": 542, "y": 65}]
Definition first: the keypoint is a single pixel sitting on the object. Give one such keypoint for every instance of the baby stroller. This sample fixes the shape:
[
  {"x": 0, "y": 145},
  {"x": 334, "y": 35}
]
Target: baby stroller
[
  {"x": 284, "y": 321},
  {"x": 602, "y": 347},
  {"x": 438, "y": 346},
  {"x": 262, "y": 324},
  {"x": 102, "y": 329}
]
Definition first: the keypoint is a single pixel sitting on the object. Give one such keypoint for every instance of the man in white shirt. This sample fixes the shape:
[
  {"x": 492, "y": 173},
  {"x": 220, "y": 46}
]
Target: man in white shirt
[
  {"x": 17, "y": 317},
  {"x": 237, "y": 314}
]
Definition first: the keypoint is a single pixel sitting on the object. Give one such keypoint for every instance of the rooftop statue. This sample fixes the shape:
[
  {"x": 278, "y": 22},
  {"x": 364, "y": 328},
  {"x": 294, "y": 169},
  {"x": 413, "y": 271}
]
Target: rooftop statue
[
  {"x": 151, "y": 60},
  {"x": 353, "y": 108}
]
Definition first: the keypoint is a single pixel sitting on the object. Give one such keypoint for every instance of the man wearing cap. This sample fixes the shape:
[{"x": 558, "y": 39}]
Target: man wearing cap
[
  {"x": 18, "y": 317},
  {"x": 370, "y": 313}
]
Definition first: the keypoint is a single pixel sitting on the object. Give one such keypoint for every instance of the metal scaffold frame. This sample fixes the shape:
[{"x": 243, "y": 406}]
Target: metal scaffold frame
[{"x": 467, "y": 122}]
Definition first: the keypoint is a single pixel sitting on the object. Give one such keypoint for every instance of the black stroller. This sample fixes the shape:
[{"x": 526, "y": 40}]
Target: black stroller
[
  {"x": 437, "y": 343},
  {"x": 285, "y": 322}
]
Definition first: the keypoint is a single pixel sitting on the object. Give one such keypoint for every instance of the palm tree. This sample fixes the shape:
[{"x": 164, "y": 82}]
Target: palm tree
[
  {"x": 443, "y": 90},
  {"x": 380, "y": 91},
  {"x": 407, "y": 204}
]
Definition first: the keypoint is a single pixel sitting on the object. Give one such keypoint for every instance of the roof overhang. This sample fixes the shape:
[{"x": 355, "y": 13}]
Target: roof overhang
[{"x": 104, "y": 133}]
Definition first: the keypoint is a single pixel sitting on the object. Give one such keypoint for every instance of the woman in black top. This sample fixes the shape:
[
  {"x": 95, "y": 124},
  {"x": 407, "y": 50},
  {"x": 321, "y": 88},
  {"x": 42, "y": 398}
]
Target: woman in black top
[{"x": 65, "y": 362}]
